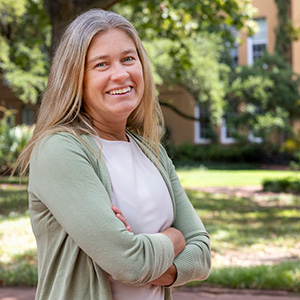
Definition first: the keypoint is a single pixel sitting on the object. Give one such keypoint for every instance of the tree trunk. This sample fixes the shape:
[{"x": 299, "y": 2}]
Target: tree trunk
[{"x": 61, "y": 12}]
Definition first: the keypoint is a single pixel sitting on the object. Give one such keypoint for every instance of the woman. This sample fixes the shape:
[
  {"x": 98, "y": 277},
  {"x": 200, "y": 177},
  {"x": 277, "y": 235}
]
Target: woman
[{"x": 109, "y": 215}]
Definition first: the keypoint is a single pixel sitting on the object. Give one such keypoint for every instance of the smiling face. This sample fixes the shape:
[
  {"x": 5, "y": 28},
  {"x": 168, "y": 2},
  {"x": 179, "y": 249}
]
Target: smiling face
[{"x": 113, "y": 83}]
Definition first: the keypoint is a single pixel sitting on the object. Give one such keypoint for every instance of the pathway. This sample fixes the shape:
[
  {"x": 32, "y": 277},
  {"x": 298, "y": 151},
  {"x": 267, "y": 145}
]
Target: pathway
[{"x": 184, "y": 293}]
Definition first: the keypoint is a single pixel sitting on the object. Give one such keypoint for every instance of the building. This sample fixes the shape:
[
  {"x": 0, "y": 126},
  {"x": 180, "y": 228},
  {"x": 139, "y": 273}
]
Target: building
[{"x": 195, "y": 132}]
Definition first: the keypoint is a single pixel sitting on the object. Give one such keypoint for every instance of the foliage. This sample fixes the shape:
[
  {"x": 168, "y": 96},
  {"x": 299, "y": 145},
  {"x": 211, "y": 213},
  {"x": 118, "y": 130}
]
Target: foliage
[
  {"x": 292, "y": 145},
  {"x": 285, "y": 31},
  {"x": 284, "y": 276},
  {"x": 25, "y": 65},
  {"x": 246, "y": 152},
  {"x": 176, "y": 35},
  {"x": 178, "y": 19},
  {"x": 266, "y": 96},
  {"x": 25, "y": 42},
  {"x": 12, "y": 140},
  {"x": 284, "y": 185},
  {"x": 205, "y": 78}
]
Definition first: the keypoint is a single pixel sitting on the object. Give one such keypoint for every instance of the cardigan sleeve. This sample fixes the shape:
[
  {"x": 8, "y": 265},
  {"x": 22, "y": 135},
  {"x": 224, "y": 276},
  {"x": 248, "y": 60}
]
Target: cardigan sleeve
[
  {"x": 194, "y": 262},
  {"x": 63, "y": 176}
]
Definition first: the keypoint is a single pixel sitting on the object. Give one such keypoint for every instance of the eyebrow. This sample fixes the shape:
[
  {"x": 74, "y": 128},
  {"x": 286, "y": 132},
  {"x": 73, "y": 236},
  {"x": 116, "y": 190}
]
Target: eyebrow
[{"x": 99, "y": 57}]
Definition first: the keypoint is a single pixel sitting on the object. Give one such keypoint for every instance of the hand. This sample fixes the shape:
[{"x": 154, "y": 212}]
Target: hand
[
  {"x": 167, "y": 278},
  {"x": 121, "y": 217}
]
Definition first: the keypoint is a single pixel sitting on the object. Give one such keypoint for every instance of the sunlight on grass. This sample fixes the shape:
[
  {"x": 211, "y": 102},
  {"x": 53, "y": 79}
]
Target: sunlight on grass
[
  {"x": 199, "y": 177},
  {"x": 16, "y": 237},
  {"x": 248, "y": 232},
  {"x": 255, "y": 241}
]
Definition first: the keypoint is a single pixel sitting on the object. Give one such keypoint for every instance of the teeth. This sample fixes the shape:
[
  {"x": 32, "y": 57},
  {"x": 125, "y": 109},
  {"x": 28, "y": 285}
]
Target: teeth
[{"x": 120, "y": 91}]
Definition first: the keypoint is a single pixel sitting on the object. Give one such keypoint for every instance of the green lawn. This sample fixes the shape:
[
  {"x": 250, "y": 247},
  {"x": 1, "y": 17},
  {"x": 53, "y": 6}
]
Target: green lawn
[
  {"x": 255, "y": 241},
  {"x": 205, "y": 177}
]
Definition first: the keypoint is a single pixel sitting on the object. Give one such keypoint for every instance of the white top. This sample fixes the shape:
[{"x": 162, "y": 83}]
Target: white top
[{"x": 140, "y": 192}]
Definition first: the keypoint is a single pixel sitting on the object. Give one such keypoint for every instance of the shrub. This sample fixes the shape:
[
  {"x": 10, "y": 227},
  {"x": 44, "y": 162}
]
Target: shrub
[
  {"x": 285, "y": 185},
  {"x": 12, "y": 140},
  {"x": 241, "y": 153}
]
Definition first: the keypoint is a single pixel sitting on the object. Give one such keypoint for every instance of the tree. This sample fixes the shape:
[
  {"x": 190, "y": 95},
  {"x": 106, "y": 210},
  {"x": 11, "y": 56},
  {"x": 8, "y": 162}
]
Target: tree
[
  {"x": 205, "y": 78},
  {"x": 266, "y": 95},
  {"x": 61, "y": 12},
  {"x": 25, "y": 42},
  {"x": 174, "y": 20}
]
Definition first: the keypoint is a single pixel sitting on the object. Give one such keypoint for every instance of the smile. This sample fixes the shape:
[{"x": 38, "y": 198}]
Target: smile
[{"x": 120, "y": 91}]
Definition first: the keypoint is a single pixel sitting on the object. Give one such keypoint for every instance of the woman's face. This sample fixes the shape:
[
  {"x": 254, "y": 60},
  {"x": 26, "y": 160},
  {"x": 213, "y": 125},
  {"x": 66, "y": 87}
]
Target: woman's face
[{"x": 113, "y": 83}]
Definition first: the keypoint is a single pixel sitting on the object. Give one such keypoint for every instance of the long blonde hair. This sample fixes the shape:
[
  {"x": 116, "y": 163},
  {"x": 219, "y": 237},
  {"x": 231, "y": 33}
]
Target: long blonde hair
[{"x": 62, "y": 103}]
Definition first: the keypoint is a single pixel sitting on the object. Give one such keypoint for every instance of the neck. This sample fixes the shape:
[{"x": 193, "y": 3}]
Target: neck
[{"x": 112, "y": 133}]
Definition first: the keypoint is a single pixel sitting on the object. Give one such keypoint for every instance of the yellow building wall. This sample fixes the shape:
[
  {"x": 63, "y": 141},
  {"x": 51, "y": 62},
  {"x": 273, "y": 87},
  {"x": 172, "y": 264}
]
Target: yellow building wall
[
  {"x": 181, "y": 129},
  {"x": 295, "y": 16},
  {"x": 266, "y": 9}
]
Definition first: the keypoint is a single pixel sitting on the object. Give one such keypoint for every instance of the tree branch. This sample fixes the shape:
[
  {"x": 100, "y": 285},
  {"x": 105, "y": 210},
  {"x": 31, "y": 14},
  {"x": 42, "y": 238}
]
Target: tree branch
[{"x": 177, "y": 111}]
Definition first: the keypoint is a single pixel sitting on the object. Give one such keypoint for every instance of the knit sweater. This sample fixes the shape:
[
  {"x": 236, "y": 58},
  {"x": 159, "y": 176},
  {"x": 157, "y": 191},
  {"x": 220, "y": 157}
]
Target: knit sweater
[{"x": 80, "y": 241}]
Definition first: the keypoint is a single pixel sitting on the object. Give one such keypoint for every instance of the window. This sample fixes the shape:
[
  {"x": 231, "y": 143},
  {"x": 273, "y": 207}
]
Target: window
[
  {"x": 254, "y": 139},
  {"x": 251, "y": 136},
  {"x": 28, "y": 115},
  {"x": 202, "y": 127},
  {"x": 234, "y": 49},
  {"x": 227, "y": 133},
  {"x": 257, "y": 44},
  {"x": 234, "y": 53}
]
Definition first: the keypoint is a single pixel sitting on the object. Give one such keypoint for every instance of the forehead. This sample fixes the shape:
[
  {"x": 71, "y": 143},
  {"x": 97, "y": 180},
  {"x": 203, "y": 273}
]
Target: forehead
[{"x": 110, "y": 39}]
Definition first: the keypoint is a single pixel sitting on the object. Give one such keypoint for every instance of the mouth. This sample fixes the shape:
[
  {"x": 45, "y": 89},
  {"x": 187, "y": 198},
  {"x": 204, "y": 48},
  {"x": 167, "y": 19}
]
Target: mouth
[{"x": 120, "y": 91}]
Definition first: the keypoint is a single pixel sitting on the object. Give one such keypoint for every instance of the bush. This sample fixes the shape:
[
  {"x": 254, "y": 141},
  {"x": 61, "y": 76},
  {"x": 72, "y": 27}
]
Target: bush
[
  {"x": 12, "y": 140},
  {"x": 285, "y": 185},
  {"x": 239, "y": 153}
]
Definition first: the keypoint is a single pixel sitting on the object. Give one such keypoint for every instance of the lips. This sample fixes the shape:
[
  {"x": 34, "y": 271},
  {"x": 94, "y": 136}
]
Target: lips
[{"x": 120, "y": 91}]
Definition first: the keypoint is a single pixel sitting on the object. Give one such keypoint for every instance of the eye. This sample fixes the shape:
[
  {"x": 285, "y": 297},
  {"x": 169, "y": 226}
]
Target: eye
[
  {"x": 128, "y": 59},
  {"x": 101, "y": 64}
]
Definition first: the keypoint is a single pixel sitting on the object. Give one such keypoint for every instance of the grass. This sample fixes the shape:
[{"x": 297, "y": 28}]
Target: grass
[
  {"x": 255, "y": 241},
  {"x": 284, "y": 276},
  {"x": 212, "y": 175}
]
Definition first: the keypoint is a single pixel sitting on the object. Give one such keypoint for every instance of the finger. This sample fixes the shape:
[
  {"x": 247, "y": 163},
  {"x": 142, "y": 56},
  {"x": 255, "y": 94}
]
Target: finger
[
  {"x": 129, "y": 228},
  {"x": 123, "y": 219},
  {"x": 116, "y": 210}
]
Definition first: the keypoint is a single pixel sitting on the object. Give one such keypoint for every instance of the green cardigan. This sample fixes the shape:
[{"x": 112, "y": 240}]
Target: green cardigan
[{"x": 79, "y": 239}]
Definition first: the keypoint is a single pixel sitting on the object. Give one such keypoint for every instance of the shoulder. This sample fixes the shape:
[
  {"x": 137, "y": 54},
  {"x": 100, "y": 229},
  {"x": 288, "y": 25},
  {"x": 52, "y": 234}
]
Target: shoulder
[{"x": 62, "y": 144}]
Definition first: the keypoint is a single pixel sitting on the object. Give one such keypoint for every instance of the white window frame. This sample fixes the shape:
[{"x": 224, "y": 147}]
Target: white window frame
[
  {"x": 250, "y": 42},
  {"x": 197, "y": 128},
  {"x": 254, "y": 139},
  {"x": 235, "y": 48},
  {"x": 224, "y": 138}
]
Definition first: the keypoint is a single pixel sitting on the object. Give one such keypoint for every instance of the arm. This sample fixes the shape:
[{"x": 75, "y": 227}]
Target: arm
[
  {"x": 193, "y": 263},
  {"x": 178, "y": 242},
  {"x": 68, "y": 179}
]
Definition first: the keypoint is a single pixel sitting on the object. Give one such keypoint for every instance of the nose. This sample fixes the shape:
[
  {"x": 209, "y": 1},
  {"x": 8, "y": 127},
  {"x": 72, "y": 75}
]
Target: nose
[{"x": 119, "y": 72}]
